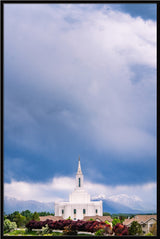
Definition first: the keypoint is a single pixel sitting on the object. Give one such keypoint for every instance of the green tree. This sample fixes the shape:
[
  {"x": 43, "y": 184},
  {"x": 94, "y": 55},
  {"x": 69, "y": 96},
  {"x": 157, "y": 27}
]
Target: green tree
[
  {"x": 135, "y": 228},
  {"x": 122, "y": 218},
  {"x": 115, "y": 221},
  {"x": 35, "y": 216},
  {"x": 9, "y": 226},
  {"x": 106, "y": 214},
  {"x": 27, "y": 213},
  {"x": 12, "y": 215},
  {"x": 20, "y": 220},
  {"x": 45, "y": 213}
]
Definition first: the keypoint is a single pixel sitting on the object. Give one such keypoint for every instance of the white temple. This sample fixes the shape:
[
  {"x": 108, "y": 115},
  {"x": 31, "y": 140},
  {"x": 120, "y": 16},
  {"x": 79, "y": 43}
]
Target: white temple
[{"x": 79, "y": 204}]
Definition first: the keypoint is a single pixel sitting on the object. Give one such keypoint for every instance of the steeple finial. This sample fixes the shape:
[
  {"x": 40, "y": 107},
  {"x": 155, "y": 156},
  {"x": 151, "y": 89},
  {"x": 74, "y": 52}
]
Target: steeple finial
[{"x": 79, "y": 167}]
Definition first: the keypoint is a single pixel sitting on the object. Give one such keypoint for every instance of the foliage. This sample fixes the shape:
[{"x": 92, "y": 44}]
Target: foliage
[
  {"x": 45, "y": 213},
  {"x": 26, "y": 213},
  {"x": 103, "y": 229},
  {"x": 46, "y": 230},
  {"x": 9, "y": 226},
  {"x": 91, "y": 219},
  {"x": 79, "y": 225},
  {"x": 12, "y": 215},
  {"x": 35, "y": 216},
  {"x": 122, "y": 218},
  {"x": 106, "y": 214},
  {"x": 135, "y": 228},
  {"x": 120, "y": 229},
  {"x": 21, "y": 233},
  {"x": 107, "y": 222},
  {"x": 149, "y": 234},
  {"x": 20, "y": 220},
  {"x": 69, "y": 218},
  {"x": 100, "y": 232},
  {"x": 115, "y": 221},
  {"x": 68, "y": 230},
  {"x": 49, "y": 234}
]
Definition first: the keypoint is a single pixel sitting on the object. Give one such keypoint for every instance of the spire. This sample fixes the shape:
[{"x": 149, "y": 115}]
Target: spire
[{"x": 79, "y": 171}]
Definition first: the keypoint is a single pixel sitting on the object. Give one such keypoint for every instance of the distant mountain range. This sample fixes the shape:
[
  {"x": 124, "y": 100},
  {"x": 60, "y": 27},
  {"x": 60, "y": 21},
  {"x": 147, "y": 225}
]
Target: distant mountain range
[{"x": 12, "y": 204}]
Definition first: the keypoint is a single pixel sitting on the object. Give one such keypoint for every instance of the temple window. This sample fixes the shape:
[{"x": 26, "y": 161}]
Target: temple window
[{"x": 79, "y": 182}]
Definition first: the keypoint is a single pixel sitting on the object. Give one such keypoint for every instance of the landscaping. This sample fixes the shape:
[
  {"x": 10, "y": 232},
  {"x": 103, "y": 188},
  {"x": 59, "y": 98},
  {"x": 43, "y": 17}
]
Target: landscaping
[{"x": 67, "y": 227}]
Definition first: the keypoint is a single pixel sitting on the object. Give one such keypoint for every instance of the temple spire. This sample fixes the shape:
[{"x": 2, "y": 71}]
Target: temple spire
[
  {"x": 79, "y": 171},
  {"x": 79, "y": 176}
]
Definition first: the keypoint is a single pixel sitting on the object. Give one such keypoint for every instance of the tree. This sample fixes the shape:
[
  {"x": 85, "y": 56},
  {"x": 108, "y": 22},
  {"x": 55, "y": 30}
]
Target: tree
[
  {"x": 45, "y": 213},
  {"x": 122, "y": 218},
  {"x": 115, "y": 221},
  {"x": 20, "y": 220},
  {"x": 27, "y": 213},
  {"x": 135, "y": 228},
  {"x": 9, "y": 226},
  {"x": 35, "y": 216},
  {"x": 12, "y": 215},
  {"x": 106, "y": 214}
]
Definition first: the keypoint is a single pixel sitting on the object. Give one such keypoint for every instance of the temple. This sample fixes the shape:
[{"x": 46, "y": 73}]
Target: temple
[{"x": 79, "y": 204}]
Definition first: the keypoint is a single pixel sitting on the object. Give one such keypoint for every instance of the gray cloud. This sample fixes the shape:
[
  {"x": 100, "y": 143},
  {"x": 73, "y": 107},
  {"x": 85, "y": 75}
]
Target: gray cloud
[{"x": 80, "y": 78}]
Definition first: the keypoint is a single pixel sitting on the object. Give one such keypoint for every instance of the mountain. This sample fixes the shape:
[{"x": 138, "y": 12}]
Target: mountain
[
  {"x": 122, "y": 203},
  {"x": 114, "y": 207},
  {"x": 12, "y": 204},
  {"x": 111, "y": 205}
]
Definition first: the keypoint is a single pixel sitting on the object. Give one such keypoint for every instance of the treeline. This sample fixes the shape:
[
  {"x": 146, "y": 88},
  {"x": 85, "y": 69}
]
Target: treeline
[
  {"x": 22, "y": 218},
  {"x": 119, "y": 215}
]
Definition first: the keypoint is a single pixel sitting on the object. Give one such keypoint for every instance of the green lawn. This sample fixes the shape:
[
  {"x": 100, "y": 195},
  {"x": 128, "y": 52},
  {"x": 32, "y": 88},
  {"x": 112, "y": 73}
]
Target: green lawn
[{"x": 22, "y": 232}]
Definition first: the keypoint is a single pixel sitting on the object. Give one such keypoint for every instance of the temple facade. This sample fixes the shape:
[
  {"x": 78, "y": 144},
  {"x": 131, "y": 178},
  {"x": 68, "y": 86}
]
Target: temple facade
[{"x": 80, "y": 204}]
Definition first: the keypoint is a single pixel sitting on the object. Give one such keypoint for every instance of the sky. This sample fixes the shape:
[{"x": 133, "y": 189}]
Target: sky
[{"x": 80, "y": 80}]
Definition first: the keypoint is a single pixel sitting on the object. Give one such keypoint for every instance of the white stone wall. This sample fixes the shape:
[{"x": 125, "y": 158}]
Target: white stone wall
[
  {"x": 69, "y": 207},
  {"x": 79, "y": 196}
]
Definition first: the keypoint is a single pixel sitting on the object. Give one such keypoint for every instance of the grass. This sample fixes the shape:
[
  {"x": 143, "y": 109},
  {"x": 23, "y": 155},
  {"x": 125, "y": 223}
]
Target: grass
[{"x": 22, "y": 232}]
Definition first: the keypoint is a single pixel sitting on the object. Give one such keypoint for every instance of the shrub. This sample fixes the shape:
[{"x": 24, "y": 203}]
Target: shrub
[
  {"x": 46, "y": 229},
  {"x": 115, "y": 221},
  {"x": 135, "y": 228},
  {"x": 9, "y": 226},
  {"x": 79, "y": 225},
  {"x": 107, "y": 222},
  {"x": 120, "y": 229},
  {"x": 149, "y": 234},
  {"x": 100, "y": 232},
  {"x": 68, "y": 230}
]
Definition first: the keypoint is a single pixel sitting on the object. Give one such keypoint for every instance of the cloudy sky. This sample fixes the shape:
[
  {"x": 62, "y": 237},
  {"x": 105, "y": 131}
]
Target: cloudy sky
[{"x": 80, "y": 79}]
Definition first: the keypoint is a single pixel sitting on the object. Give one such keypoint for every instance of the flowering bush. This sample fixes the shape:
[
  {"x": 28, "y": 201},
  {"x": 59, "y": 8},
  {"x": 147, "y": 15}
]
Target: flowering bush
[
  {"x": 68, "y": 230},
  {"x": 120, "y": 229},
  {"x": 79, "y": 225}
]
